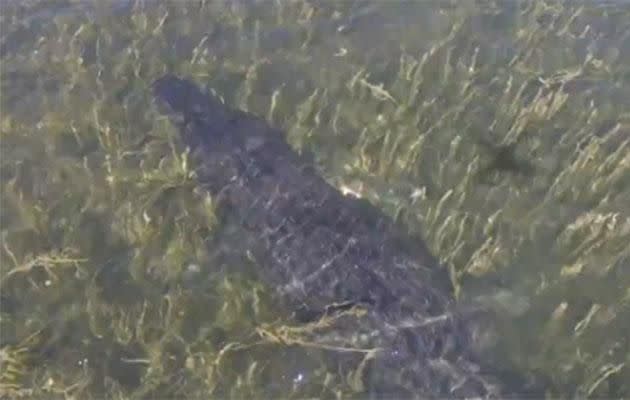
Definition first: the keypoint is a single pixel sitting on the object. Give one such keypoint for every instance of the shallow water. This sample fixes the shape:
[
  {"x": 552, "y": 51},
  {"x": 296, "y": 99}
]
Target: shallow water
[{"x": 498, "y": 131}]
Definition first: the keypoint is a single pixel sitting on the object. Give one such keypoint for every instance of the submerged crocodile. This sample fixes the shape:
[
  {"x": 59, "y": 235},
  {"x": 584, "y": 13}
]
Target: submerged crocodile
[{"x": 323, "y": 250}]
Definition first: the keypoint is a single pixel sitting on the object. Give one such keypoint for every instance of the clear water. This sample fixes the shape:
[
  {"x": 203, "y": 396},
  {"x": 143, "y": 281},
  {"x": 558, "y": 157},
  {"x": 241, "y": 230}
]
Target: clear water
[{"x": 499, "y": 131}]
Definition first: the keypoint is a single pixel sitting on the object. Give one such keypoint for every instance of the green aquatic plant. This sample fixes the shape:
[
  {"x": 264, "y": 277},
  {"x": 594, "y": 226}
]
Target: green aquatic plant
[{"x": 496, "y": 130}]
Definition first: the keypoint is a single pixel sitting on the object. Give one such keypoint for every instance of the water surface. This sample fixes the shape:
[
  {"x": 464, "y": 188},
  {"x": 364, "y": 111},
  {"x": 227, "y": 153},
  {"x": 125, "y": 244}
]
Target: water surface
[{"x": 497, "y": 130}]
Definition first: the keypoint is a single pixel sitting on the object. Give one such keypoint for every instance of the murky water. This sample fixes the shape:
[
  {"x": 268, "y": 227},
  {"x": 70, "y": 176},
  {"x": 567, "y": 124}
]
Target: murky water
[{"x": 498, "y": 131}]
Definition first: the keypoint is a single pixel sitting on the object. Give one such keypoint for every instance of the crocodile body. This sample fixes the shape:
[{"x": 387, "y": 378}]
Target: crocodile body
[{"x": 321, "y": 249}]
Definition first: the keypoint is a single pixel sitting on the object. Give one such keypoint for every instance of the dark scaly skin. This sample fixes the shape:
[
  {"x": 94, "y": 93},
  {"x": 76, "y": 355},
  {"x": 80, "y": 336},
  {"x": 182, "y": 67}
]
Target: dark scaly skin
[{"x": 321, "y": 249}]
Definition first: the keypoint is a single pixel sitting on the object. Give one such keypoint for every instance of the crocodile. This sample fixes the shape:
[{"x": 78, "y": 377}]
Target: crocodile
[{"x": 323, "y": 251}]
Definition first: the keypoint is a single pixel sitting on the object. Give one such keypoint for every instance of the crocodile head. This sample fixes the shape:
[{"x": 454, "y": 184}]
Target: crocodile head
[{"x": 226, "y": 142}]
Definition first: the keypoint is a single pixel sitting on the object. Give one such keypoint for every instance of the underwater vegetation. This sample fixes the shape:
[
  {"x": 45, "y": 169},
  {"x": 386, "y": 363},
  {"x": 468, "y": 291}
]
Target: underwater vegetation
[{"x": 499, "y": 131}]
